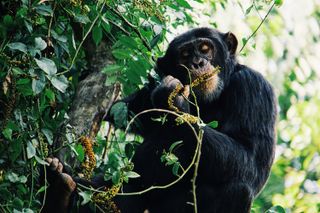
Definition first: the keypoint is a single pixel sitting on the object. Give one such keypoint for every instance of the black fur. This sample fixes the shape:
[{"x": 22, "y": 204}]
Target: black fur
[{"x": 236, "y": 157}]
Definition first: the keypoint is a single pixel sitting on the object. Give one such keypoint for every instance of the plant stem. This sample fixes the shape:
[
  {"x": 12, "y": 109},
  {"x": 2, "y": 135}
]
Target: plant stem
[
  {"x": 256, "y": 30},
  {"x": 83, "y": 39}
]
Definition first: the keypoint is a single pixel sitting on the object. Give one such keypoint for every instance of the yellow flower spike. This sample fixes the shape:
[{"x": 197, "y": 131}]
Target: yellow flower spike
[{"x": 90, "y": 162}]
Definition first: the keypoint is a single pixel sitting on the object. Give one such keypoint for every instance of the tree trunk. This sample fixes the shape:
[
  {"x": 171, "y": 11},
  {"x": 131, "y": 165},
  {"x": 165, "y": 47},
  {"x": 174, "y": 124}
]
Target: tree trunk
[{"x": 92, "y": 98}]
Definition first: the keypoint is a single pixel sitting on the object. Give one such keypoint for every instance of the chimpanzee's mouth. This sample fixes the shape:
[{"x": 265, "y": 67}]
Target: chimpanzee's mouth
[{"x": 205, "y": 73}]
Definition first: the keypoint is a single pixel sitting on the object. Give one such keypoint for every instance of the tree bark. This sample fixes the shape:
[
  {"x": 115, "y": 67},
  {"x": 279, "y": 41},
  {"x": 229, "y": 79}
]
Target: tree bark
[{"x": 92, "y": 97}]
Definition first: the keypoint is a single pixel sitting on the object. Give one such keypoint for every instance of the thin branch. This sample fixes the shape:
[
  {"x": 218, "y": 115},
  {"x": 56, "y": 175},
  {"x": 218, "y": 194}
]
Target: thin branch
[
  {"x": 256, "y": 8},
  {"x": 256, "y": 30},
  {"x": 51, "y": 20},
  {"x": 133, "y": 27},
  {"x": 83, "y": 39}
]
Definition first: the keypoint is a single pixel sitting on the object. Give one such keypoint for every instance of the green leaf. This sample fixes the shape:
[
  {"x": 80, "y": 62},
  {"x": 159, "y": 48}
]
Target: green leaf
[
  {"x": 44, "y": 10},
  {"x": 276, "y": 209},
  {"x": 105, "y": 24},
  {"x": 129, "y": 150},
  {"x": 12, "y": 177},
  {"x": 213, "y": 124},
  {"x": 81, "y": 18},
  {"x": 17, "y": 203},
  {"x": 50, "y": 94},
  {"x": 41, "y": 161},
  {"x": 60, "y": 83},
  {"x": 24, "y": 86},
  {"x": 110, "y": 80},
  {"x": 121, "y": 54},
  {"x": 23, "y": 81},
  {"x": 174, "y": 145},
  {"x": 135, "y": 71},
  {"x": 97, "y": 34},
  {"x": 23, "y": 179},
  {"x": 31, "y": 150},
  {"x": 132, "y": 174},
  {"x": 175, "y": 168},
  {"x": 17, "y": 71},
  {"x": 155, "y": 40},
  {"x": 278, "y": 2},
  {"x": 248, "y": 10},
  {"x": 119, "y": 112},
  {"x": 42, "y": 189},
  {"x": 128, "y": 42},
  {"x": 79, "y": 152},
  {"x": 47, "y": 65},
  {"x": 86, "y": 196},
  {"x": 184, "y": 4},
  {"x": 116, "y": 177},
  {"x": 28, "y": 26},
  {"x": 7, "y": 133},
  {"x": 7, "y": 20},
  {"x": 40, "y": 44},
  {"x": 38, "y": 81},
  {"x": 111, "y": 68},
  {"x": 27, "y": 210},
  {"x": 18, "y": 46},
  {"x": 48, "y": 134},
  {"x": 16, "y": 146}
]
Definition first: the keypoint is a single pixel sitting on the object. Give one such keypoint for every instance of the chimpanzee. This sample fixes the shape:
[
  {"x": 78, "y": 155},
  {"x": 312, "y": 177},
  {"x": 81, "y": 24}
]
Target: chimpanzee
[{"x": 236, "y": 157}]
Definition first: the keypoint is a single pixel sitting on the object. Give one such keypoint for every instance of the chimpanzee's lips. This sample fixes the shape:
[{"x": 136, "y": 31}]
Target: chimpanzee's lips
[{"x": 208, "y": 70}]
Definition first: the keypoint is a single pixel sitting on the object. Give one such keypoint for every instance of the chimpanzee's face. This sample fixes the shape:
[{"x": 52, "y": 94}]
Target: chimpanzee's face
[
  {"x": 196, "y": 56},
  {"x": 197, "y": 53},
  {"x": 195, "y": 59}
]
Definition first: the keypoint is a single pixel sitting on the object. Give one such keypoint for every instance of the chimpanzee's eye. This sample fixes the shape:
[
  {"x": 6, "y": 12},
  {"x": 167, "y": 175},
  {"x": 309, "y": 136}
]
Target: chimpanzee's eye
[{"x": 204, "y": 48}]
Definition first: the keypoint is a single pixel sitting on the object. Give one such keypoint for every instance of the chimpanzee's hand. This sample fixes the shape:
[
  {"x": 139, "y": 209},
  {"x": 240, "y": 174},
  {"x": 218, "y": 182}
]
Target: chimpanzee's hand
[{"x": 161, "y": 94}]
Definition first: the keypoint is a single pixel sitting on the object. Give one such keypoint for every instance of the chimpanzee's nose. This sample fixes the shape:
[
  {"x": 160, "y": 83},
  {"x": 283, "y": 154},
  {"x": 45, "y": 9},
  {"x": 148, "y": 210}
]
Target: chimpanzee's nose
[{"x": 198, "y": 62}]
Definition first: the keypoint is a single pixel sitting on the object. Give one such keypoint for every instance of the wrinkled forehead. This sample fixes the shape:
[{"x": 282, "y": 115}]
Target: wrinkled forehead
[{"x": 194, "y": 36}]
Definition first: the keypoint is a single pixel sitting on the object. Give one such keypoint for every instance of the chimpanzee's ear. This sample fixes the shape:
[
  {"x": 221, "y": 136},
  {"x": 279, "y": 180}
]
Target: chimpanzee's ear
[{"x": 231, "y": 42}]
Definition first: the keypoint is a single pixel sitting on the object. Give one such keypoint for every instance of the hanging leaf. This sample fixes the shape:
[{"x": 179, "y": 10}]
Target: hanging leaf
[
  {"x": 97, "y": 34},
  {"x": 38, "y": 81},
  {"x": 47, "y": 65},
  {"x": 155, "y": 40},
  {"x": 119, "y": 112},
  {"x": 18, "y": 46},
  {"x": 175, "y": 168},
  {"x": 60, "y": 83},
  {"x": 79, "y": 152},
  {"x": 40, "y": 44},
  {"x": 48, "y": 134},
  {"x": 31, "y": 150}
]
